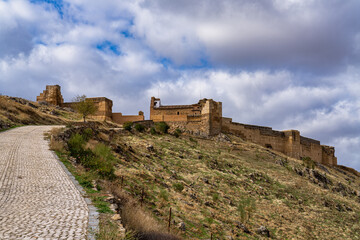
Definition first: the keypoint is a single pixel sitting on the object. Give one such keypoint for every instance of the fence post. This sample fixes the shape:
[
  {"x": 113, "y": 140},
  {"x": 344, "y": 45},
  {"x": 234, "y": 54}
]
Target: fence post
[{"x": 169, "y": 220}]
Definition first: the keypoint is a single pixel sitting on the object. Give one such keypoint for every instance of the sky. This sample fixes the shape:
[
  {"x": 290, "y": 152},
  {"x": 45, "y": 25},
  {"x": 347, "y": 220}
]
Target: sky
[{"x": 287, "y": 64}]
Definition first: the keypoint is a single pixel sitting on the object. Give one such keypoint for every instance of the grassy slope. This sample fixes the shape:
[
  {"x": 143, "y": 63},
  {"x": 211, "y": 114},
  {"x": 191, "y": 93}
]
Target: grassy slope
[
  {"x": 17, "y": 111},
  {"x": 227, "y": 183}
]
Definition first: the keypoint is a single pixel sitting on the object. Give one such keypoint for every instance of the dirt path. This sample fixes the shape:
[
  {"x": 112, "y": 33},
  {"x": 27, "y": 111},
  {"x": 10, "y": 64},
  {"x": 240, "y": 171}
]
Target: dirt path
[{"x": 37, "y": 198}]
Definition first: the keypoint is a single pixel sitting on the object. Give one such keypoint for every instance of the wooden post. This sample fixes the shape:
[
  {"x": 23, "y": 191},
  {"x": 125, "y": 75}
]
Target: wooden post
[
  {"x": 211, "y": 236},
  {"x": 169, "y": 220},
  {"x": 122, "y": 181}
]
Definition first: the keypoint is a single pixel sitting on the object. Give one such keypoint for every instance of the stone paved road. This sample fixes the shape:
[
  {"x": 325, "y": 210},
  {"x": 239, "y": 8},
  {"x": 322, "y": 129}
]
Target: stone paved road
[{"x": 37, "y": 198}]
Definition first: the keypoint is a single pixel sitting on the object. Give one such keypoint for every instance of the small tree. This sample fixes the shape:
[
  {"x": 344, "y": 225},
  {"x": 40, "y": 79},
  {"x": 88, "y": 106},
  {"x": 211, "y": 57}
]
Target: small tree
[{"x": 84, "y": 106}]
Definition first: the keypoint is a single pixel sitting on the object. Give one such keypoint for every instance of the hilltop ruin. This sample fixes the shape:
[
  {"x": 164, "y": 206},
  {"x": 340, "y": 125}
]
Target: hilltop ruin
[
  {"x": 52, "y": 95},
  {"x": 205, "y": 118}
]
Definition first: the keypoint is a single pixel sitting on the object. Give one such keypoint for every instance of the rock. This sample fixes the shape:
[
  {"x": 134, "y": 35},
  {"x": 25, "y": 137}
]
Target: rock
[
  {"x": 53, "y": 112},
  {"x": 43, "y": 103},
  {"x": 322, "y": 167},
  {"x": 262, "y": 230},
  {"x": 206, "y": 181},
  {"x": 242, "y": 227},
  {"x": 69, "y": 109},
  {"x": 31, "y": 105},
  {"x": 321, "y": 177},
  {"x": 110, "y": 199},
  {"x": 193, "y": 196},
  {"x": 339, "y": 207},
  {"x": 113, "y": 207},
  {"x": 150, "y": 148},
  {"x": 116, "y": 217},
  {"x": 182, "y": 226},
  {"x": 298, "y": 171},
  {"x": 349, "y": 209},
  {"x": 282, "y": 162}
]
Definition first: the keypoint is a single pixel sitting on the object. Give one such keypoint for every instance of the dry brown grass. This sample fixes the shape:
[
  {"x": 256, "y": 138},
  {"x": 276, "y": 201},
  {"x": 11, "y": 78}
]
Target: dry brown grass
[
  {"x": 136, "y": 218},
  {"x": 57, "y": 145}
]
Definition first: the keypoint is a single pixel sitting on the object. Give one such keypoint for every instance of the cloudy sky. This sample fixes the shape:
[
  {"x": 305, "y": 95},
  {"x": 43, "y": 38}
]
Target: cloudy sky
[{"x": 288, "y": 64}]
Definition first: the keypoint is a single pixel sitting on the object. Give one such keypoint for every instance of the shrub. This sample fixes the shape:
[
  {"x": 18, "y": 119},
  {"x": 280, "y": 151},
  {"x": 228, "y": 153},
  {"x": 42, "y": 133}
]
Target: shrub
[
  {"x": 127, "y": 126},
  {"x": 99, "y": 160},
  {"x": 56, "y": 145},
  {"x": 153, "y": 131},
  {"x": 178, "y": 187},
  {"x": 139, "y": 127},
  {"x": 192, "y": 140},
  {"x": 87, "y": 134},
  {"x": 177, "y": 132},
  {"x": 308, "y": 162},
  {"x": 164, "y": 195},
  {"x": 162, "y": 127},
  {"x": 215, "y": 197},
  {"x": 246, "y": 206},
  {"x": 76, "y": 145},
  {"x": 104, "y": 161}
]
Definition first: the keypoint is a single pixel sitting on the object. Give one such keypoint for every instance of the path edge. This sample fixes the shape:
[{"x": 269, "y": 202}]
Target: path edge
[{"x": 93, "y": 219}]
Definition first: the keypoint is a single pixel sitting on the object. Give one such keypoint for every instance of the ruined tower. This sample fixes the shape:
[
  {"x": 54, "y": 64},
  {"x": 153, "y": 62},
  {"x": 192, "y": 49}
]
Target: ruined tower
[{"x": 51, "y": 95}]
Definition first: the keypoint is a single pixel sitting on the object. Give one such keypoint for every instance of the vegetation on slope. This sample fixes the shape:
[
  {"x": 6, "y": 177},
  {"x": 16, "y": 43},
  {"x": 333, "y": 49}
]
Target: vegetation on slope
[
  {"x": 220, "y": 188},
  {"x": 18, "y": 111}
]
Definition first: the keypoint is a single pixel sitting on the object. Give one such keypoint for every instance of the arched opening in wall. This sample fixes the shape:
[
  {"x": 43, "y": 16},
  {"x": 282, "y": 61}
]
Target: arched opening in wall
[
  {"x": 268, "y": 146},
  {"x": 178, "y": 113}
]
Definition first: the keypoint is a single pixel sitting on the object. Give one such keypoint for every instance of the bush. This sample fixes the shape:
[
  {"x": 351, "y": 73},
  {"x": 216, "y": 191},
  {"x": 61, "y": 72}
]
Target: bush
[
  {"x": 308, "y": 162},
  {"x": 104, "y": 161},
  {"x": 178, "y": 187},
  {"x": 246, "y": 207},
  {"x": 164, "y": 195},
  {"x": 100, "y": 160},
  {"x": 139, "y": 127},
  {"x": 215, "y": 197},
  {"x": 177, "y": 132},
  {"x": 76, "y": 145},
  {"x": 153, "y": 131},
  {"x": 162, "y": 127},
  {"x": 127, "y": 126},
  {"x": 87, "y": 134}
]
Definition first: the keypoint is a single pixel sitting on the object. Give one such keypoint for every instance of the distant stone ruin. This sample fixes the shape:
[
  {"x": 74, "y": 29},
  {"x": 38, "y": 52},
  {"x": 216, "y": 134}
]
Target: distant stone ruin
[
  {"x": 52, "y": 95},
  {"x": 205, "y": 118}
]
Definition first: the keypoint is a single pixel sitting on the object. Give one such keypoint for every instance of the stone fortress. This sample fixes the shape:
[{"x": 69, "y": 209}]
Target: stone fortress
[
  {"x": 52, "y": 95},
  {"x": 205, "y": 118}
]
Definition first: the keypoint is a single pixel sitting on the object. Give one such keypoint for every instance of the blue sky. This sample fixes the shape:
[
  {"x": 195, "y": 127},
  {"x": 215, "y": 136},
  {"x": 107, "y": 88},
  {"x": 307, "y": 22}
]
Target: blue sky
[{"x": 288, "y": 64}]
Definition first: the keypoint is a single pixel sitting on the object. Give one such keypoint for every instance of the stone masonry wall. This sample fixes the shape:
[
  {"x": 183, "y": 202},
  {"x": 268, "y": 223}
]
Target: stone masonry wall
[
  {"x": 288, "y": 142},
  {"x": 121, "y": 119},
  {"x": 51, "y": 95}
]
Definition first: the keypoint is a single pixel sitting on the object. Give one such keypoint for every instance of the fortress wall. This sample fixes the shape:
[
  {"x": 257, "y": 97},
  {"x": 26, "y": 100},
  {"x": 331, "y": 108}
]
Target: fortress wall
[
  {"x": 263, "y": 136},
  {"x": 328, "y": 155},
  {"x": 215, "y": 117},
  {"x": 289, "y": 142},
  {"x": 121, "y": 119},
  {"x": 104, "y": 106},
  {"x": 51, "y": 95}
]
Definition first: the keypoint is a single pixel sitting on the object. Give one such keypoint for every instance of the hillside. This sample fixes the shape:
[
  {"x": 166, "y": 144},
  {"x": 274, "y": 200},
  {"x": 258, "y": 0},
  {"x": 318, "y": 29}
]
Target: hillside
[
  {"x": 223, "y": 187},
  {"x": 17, "y": 111},
  {"x": 220, "y": 187}
]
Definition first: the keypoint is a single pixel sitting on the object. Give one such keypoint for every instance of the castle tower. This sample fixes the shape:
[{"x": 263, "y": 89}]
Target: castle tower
[{"x": 51, "y": 95}]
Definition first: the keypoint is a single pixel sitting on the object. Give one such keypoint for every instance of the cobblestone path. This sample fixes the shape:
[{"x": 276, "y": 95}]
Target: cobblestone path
[{"x": 37, "y": 198}]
